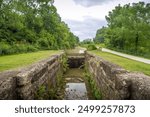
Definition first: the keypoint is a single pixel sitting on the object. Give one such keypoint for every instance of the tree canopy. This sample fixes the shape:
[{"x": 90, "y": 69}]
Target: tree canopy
[
  {"x": 99, "y": 38},
  {"x": 30, "y": 25},
  {"x": 128, "y": 29}
]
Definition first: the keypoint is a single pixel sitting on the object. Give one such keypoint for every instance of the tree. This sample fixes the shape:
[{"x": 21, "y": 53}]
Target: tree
[
  {"x": 128, "y": 28},
  {"x": 32, "y": 24},
  {"x": 100, "y": 35}
]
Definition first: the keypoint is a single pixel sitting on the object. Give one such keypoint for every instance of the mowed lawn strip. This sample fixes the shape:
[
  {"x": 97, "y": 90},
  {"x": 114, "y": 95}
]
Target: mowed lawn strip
[
  {"x": 127, "y": 64},
  {"x": 21, "y": 60}
]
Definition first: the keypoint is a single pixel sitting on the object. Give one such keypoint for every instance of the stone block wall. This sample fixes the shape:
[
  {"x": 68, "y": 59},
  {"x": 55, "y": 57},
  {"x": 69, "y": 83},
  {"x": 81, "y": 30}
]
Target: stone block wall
[
  {"x": 76, "y": 61},
  {"x": 24, "y": 83},
  {"x": 115, "y": 82},
  {"x": 8, "y": 85}
]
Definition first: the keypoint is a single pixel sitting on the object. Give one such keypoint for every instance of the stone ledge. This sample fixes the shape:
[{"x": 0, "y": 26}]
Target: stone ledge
[
  {"x": 19, "y": 84},
  {"x": 116, "y": 82},
  {"x": 8, "y": 84}
]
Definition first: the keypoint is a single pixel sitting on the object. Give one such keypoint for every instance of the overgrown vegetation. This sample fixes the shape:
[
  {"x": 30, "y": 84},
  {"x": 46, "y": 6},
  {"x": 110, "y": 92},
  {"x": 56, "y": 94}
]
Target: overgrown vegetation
[
  {"x": 31, "y": 25},
  {"x": 100, "y": 34},
  {"x": 128, "y": 29},
  {"x": 88, "y": 44},
  {"x": 54, "y": 91},
  {"x": 64, "y": 61},
  {"x": 92, "y": 84},
  {"x": 91, "y": 47},
  {"x": 51, "y": 92}
]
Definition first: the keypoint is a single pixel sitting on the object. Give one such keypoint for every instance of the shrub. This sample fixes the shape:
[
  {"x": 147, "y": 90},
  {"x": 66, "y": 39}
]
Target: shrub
[
  {"x": 4, "y": 48},
  {"x": 22, "y": 48},
  {"x": 19, "y": 48},
  {"x": 43, "y": 43},
  {"x": 31, "y": 48},
  {"x": 91, "y": 47}
]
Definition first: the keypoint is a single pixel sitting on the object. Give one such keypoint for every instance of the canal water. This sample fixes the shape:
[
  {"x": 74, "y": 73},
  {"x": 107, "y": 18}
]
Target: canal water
[
  {"x": 76, "y": 91},
  {"x": 75, "y": 86}
]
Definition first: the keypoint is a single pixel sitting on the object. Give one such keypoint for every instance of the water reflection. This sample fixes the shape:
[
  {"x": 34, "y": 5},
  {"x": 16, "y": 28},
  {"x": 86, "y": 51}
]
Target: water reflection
[{"x": 76, "y": 91}]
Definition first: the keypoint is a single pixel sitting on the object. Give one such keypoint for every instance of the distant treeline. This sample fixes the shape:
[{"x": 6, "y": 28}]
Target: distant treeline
[
  {"x": 128, "y": 29},
  {"x": 30, "y": 25}
]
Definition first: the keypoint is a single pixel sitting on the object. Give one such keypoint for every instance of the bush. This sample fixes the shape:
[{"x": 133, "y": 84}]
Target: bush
[
  {"x": 22, "y": 48},
  {"x": 31, "y": 48},
  {"x": 19, "y": 48},
  {"x": 43, "y": 44},
  {"x": 91, "y": 47},
  {"x": 4, "y": 48}
]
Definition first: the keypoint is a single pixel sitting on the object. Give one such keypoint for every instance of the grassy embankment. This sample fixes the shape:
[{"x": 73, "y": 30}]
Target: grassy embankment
[
  {"x": 21, "y": 60},
  {"x": 127, "y": 64}
]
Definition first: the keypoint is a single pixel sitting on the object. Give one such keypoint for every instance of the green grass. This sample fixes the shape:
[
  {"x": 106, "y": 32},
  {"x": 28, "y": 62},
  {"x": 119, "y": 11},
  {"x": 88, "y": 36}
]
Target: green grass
[
  {"x": 21, "y": 60},
  {"x": 127, "y": 64}
]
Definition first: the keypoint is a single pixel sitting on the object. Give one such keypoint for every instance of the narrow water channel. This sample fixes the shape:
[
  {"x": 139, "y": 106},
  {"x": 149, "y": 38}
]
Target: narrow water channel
[{"x": 75, "y": 86}]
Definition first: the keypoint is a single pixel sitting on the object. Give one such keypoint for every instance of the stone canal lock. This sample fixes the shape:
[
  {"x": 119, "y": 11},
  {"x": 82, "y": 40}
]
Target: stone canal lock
[
  {"x": 74, "y": 76},
  {"x": 75, "y": 82}
]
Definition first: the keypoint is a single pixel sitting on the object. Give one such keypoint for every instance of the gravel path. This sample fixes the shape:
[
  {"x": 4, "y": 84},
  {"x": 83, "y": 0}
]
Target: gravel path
[{"x": 147, "y": 61}]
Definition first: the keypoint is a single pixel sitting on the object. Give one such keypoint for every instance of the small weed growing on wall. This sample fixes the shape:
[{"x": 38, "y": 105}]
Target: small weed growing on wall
[
  {"x": 64, "y": 62},
  {"x": 93, "y": 86},
  {"x": 41, "y": 93},
  {"x": 52, "y": 91}
]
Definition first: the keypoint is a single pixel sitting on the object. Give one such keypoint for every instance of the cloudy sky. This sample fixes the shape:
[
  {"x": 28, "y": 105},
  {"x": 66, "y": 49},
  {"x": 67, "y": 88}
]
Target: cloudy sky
[{"x": 84, "y": 17}]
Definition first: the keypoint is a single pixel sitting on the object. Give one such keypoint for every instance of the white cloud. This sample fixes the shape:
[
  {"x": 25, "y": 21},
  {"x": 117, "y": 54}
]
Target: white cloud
[
  {"x": 89, "y": 3},
  {"x": 79, "y": 11},
  {"x": 69, "y": 10},
  {"x": 87, "y": 28}
]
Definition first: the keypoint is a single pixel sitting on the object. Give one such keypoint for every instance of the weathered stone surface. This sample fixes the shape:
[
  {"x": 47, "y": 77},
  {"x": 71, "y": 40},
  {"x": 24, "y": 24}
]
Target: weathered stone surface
[
  {"x": 139, "y": 86},
  {"x": 23, "y": 84},
  {"x": 8, "y": 85},
  {"x": 26, "y": 92},
  {"x": 37, "y": 75},
  {"x": 34, "y": 72},
  {"x": 116, "y": 83},
  {"x": 122, "y": 85}
]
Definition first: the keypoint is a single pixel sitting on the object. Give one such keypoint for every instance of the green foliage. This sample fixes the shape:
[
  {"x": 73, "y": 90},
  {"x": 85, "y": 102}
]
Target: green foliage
[
  {"x": 93, "y": 86},
  {"x": 128, "y": 29},
  {"x": 5, "y": 48},
  {"x": 100, "y": 35},
  {"x": 64, "y": 61},
  {"x": 46, "y": 93},
  {"x": 91, "y": 47},
  {"x": 51, "y": 91},
  {"x": 30, "y": 25},
  {"x": 86, "y": 41},
  {"x": 41, "y": 93}
]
